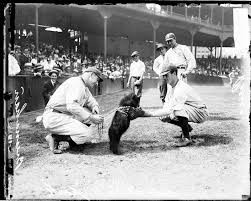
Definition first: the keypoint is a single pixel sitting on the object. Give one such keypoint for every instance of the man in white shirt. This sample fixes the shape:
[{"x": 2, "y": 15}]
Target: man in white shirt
[
  {"x": 183, "y": 105},
  {"x": 157, "y": 67},
  {"x": 137, "y": 70},
  {"x": 71, "y": 110},
  {"x": 13, "y": 67},
  {"x": 233, "y": 77},
  {"x": 179, "y": 56}
]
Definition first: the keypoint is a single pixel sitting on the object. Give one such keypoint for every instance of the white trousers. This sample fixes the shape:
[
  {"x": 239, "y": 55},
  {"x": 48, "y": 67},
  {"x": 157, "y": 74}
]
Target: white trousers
[
  {"x": 193, "y": 114},
  {"x": 62, "y": 124}
]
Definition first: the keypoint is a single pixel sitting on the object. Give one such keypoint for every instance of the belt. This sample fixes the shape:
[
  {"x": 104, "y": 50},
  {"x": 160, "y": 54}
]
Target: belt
[
  {"x": 181, "y": 67},
  {"x": 56, "y": 111}
]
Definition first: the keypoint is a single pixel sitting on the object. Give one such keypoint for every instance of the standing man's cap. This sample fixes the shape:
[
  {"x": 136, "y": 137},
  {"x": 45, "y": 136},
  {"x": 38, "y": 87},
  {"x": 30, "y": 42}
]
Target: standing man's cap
[
  {"x": 96, "y": 71},
  {"x": 160, "y": 45},
  {"x": 170, "y": 36},
  {"x": 166, "y": 69},
  {"x": 135, "y": 53}
]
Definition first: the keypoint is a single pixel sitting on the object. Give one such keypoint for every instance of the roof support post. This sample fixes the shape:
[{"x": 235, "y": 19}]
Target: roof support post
[
  {"x": 105, "y": 14},
  {"x": 222, "y": 38},
  {"x": 185, "y": 11},
  {"x": 36, "y": 26},
  {"x": 199, "y": 14},
  {"x": 192, "y": 32},
  {"x": 155, "y": 25},
  {"x": 211, "y": 16},
  {"x": 171, "y": 11}
]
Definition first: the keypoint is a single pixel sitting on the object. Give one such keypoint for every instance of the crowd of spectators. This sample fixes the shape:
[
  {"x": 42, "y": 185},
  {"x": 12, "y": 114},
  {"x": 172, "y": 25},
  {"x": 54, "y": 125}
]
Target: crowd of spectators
[
  {"x": 210, "y": 66},
  {"x": 69, "y": 64}
]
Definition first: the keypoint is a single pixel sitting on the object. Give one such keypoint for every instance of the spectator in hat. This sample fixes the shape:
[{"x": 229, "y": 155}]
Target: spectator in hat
[
  {"x": 38, "y": 69},
  {"x": 157, "y": 67},
  {"x": 137, "y": 70},
  {"x": 183, "y": 105},
  {"x": 71, "y": 110},
  {"x": 50, "y": 86},
  {"x": 179, "y": 56}
]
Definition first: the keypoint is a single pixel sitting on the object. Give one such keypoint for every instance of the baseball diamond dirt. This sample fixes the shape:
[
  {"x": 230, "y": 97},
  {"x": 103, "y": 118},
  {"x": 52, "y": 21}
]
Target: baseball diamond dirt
[{"x": 215, "y": 167}]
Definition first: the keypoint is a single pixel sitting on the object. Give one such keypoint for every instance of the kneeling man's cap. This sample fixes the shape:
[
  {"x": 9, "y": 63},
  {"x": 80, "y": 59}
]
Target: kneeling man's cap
[
  {"x": 96, "y": 71},
  {"x": 167, "y": 69},
  {"x": 135, "y": 53},
  {"x": 160, "y": 45}
]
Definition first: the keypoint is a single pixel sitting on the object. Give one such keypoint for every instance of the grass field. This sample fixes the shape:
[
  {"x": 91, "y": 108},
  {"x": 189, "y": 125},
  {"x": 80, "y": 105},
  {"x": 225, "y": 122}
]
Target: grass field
[{"x": 215, "y": 167}]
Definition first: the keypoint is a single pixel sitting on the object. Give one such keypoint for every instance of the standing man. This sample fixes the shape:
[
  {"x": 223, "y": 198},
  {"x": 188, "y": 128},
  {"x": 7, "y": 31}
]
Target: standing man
[
  {"x": 50, "y": 86},
  {"x": 71, "y": 110},
  {"x": 137, "y": 70},
  {"x": 183, "y": 105},
  {"x": 232, "y": 77},
  {"x": 157, "y": 67},
  {"x": 179, "y": 56}
]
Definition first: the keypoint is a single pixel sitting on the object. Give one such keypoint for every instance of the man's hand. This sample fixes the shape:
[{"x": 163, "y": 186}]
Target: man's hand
[
  {"x": 95, "y": 110},
  {"x": 128, "y": 85},
  {"x": 137, "y": 82},
  {"x": 96, "y": 118}
]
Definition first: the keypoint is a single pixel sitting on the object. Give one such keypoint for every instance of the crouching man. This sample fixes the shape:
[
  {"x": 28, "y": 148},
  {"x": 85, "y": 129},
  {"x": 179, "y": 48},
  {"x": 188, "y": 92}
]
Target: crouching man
[
  {"x": 71, "y": 110},
  {"x": 183, "y": 105}
]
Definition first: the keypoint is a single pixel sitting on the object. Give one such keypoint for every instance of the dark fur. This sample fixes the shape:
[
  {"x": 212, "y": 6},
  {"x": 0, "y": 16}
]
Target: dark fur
[{"x": 121, "y": 122}]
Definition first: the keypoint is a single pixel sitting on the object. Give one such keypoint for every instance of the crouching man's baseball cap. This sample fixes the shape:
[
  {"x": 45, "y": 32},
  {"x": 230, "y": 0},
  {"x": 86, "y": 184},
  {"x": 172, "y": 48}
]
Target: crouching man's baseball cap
[
  {"x": 167, "y": 68},
  {"x": 96, "y": 71}
]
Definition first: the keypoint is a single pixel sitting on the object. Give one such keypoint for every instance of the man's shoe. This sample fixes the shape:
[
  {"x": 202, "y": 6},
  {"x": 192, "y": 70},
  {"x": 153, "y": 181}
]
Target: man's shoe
[
  {"x": 184, "y": 142},
  {"x": 165, "y": 119},
  {"x": 53, "y": 145}
]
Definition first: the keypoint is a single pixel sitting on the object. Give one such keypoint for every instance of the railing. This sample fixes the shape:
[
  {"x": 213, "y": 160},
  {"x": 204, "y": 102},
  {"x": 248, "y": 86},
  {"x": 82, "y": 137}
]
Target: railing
[{"x": 164, "y": 13}]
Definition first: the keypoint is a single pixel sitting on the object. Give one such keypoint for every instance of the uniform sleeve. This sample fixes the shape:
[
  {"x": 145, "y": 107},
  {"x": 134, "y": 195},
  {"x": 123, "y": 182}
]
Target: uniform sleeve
[
  {"x": 156, "y": 66},
  {"x": 191, "y": 62},
  {"x": 74, "y": 93},
  {"x": 166, "y": 61},
  {"x": 176, "y": 102},
  {"x": 130, "y": 74},
  {"x": 91, "y": 102},
  {"x": 143, "y": 68}
]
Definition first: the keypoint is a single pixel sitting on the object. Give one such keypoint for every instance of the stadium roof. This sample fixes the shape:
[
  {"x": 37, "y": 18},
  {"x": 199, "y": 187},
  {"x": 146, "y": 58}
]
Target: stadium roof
[{"x": 124, "y": 22}]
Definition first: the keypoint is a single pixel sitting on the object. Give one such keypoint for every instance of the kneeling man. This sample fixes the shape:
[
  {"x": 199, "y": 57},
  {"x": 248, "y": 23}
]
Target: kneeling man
[
  {"x": 71, "y": 110},
  {"x": 183, "y": 105}
]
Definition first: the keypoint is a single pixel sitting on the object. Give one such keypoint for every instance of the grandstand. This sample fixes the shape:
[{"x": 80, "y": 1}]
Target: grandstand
[{"x": 105, "y": 35}]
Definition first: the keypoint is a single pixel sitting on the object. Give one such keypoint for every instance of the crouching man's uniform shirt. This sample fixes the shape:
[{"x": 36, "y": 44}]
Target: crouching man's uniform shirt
[
  {"x": 182, "y": 100},
  {"x": 68, "y": 107}
]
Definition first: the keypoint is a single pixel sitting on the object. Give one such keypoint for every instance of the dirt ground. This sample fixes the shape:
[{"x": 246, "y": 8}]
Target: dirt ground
[{"x": 215, "y": 167}]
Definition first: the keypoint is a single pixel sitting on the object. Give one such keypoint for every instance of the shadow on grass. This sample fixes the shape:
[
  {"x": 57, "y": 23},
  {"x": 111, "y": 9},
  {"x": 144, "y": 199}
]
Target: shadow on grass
[
  {"x": 211, "y": 140},
  {"x": 129, "y": 146},
  {"x": 126, "y": 146}
]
